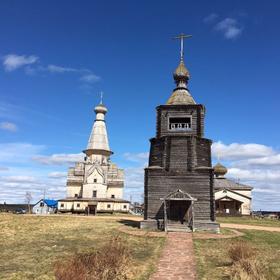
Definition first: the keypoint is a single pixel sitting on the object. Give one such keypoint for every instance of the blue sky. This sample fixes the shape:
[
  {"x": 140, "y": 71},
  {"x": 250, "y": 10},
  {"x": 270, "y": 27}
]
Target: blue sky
[{"x": 57, "y": 56}]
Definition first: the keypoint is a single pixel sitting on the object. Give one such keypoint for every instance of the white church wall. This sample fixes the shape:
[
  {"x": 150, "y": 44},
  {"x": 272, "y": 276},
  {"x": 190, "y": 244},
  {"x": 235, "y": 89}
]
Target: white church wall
[
  {"x": 65, "y": 205},
  {"x": 246, "y": 207},
  {"x": 88, "y": 189},
  {"x": 117, "y": 192},
  {"x": 113, "y": 206},
  {"x": 73, "y": 190},
  {"x": 244, "y": 192}
]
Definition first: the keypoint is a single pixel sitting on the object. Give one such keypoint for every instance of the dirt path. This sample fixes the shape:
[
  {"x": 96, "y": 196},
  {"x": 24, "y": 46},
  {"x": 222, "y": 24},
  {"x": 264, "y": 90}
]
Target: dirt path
[
  {"x": 177, "y": 260},
  {"x": 240, "y": 226}
]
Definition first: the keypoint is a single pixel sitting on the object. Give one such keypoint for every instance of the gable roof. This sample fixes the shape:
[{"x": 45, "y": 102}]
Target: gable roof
[
  {"x": 178, "y": 195},
  {"x": 226, "y": 193},
  {"x": 223, "y": 183},
  {"x": 50, "y": 202}
]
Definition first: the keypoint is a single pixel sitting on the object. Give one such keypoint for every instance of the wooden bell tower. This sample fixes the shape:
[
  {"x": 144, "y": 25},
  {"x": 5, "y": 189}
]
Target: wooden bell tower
[{"x": 179, "y": 179}]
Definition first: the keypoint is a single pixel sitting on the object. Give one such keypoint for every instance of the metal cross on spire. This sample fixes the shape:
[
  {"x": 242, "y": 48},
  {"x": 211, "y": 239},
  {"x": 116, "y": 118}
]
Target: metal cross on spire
[
  {"x": 101, "y": 97},
  {"x": 182, "y": 36}
]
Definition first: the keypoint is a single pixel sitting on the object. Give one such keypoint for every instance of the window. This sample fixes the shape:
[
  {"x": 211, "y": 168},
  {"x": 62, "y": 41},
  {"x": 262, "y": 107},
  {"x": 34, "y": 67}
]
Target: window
[
  {"x": 78, "y": 205},
  {"x": 41, "y": 204},
  {"x": 62, "y": 205},
  {"x": 76, "y": 195},
  {"x": 179, "y": 123},
  {"x": 108, "y": 205},
  {"x": 112, "y": 196},
  {"x": 124, "y": 207},
  {"x": 95, "y": 180},
  {"x": 94, "y": 193}
]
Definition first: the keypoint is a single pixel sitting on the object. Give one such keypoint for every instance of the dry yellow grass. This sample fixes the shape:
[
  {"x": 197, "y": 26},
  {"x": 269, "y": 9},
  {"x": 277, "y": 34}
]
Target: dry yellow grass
[
  {"x": 215, "y": 262},
  {"x": 30, "y": 245}
]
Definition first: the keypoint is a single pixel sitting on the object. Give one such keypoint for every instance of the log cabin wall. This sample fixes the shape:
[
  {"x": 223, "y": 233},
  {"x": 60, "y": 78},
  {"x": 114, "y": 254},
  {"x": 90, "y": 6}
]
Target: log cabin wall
[
  {"x": 180, "y": 160},
  {"x": 196, "y": 112},
  {"x": 160, "y": 183}
]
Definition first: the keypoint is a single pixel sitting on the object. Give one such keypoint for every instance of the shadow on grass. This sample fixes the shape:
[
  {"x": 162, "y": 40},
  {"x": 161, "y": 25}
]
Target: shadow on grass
[{"x": 130, "y": 223}]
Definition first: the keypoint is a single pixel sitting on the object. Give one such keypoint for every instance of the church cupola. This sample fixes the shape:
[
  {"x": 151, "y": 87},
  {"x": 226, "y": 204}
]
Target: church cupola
[
  {"x": 181, "y": 75},
  {"x": 181, "y": 94},
  {"x": 98, "y": 144},
  {"x": 219, "y": 170}
]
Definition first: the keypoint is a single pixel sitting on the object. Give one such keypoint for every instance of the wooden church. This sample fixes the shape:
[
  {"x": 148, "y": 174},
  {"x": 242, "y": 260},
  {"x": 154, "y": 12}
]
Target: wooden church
[{"x": 179, "y": 194}]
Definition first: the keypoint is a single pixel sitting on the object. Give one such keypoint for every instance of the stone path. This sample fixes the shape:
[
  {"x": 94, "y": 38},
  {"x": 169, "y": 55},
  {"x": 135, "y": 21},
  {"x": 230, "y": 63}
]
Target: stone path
[
  {"x": 240, "y": 226},
  {"x": 177, "y": 261}
]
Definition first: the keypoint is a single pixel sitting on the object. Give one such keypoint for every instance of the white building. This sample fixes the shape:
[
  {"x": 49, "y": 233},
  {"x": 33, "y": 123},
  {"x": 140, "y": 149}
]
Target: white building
[
  {"x": 45, "y": 206},
  {"x": 231, "y": 198},
  {"x": 95, "y": 184}
]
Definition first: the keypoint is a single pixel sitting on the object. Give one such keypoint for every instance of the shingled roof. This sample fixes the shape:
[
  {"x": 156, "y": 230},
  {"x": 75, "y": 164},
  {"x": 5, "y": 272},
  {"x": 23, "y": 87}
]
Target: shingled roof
[{"x": 223, "y": 183}]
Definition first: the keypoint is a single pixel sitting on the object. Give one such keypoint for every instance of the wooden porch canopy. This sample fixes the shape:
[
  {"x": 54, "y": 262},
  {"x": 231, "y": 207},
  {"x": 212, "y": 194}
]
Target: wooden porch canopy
[{"x": 179, "y": 195}]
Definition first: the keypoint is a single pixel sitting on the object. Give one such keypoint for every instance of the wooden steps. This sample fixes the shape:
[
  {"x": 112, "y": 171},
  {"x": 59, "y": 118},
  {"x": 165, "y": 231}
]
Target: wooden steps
[{"x": 176, "y": 227}]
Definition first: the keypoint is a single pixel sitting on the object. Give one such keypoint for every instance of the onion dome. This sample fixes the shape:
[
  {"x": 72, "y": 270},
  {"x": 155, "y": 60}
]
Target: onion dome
[
  {"x": 220, "y": 170},
  {"x": 181, "y": 73},
  {"x": 181, "y": 94}
]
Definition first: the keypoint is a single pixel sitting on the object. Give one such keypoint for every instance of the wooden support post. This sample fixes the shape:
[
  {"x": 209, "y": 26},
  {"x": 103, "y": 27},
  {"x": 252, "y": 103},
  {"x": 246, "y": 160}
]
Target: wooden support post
[
  {"x": 165, "y": 216},
  {"x": 192, "y": 216}
]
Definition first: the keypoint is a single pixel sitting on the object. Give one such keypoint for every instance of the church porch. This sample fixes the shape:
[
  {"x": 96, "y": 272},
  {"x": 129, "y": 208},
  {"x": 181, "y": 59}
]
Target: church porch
[
  {"x": 227, "y": 206},
  {"x": 178, "y": 211}
]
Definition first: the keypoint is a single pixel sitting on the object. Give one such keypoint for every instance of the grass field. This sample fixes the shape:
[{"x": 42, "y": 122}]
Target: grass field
[
  {"x": 31, "y": 244},
  {"x": 213, "y": 261},
  {"x": 249, "y": 221}
]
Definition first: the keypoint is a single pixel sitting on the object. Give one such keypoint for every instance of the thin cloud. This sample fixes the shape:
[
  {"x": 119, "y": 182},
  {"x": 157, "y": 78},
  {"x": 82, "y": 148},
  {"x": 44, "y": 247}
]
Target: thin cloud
[
  {"x": 136, "y": 157},
  {"x": 253, "y": 175},
  {"x": 90, "y": 78},
  {"x": 12, "y": 62},
  {"x": 237, "y": 151},
  {"x": 57, "y": 175},
  {"x": 18, "y": 152},
  {"x": 8, "y": 126},
  {"x": 60, "y": 69},
  {"x": 2, "y": 168},
  {"x": 31, "y": 66},
  {"x": 58, "y": 159},
  {"x": 273, "y": 160},
  {"x": 210, "y": 18},
  {"x": 229, "y": 27},
  {"x": 18, "y": 179}
]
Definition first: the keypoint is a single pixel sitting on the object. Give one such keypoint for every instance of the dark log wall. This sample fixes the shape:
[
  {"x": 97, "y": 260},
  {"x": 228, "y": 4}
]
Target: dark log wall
[
  {"x": 160, "y": 183},
  {"x": 180, "y": 160},
  {"x": 180, "y": 152},
  {"x": 156, "y": 152},
  {"x": 195, "y": 111},
  {"x": 203, "y": 151}
]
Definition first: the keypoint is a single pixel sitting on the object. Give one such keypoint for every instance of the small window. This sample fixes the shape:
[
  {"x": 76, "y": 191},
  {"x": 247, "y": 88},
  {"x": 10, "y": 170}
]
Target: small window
[
  {"x": 124, "y": 207},
  {"x": 108, "y": 205},
  {"x": 41, "y": 204},
  {"x": 78, "y": 205},
  {"x": 76, "y": 195},
  {"x": 112, "y": 196},
  {"x": 94, "y": 193},
  {"x": 95, "y": 180},
  {"x": 179, "y": 124},
  {"x": 62, "y": 205}
]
